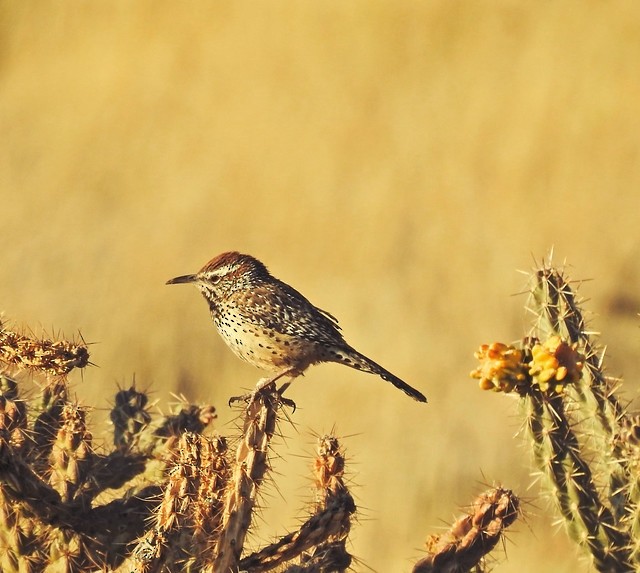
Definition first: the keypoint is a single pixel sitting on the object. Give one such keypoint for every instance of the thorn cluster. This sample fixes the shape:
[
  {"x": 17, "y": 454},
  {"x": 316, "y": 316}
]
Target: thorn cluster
[
  {"x": 473, "y": 535},
  {"x": 54, "y": 357}
]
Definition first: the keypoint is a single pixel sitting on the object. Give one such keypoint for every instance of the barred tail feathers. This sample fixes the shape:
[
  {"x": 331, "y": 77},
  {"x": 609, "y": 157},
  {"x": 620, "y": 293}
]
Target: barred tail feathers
[{"x": 354, "y": 359}]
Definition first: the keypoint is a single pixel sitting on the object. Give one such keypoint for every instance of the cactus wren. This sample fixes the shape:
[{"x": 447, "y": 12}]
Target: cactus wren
[{"x": 271, "y": 325}]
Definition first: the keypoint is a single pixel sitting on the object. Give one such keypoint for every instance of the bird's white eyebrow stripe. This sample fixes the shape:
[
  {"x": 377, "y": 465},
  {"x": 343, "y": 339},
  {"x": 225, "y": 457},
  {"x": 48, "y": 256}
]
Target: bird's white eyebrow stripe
[{"x": 223, "y": 270}]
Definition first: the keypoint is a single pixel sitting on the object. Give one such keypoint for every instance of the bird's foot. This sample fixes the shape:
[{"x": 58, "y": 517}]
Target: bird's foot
[
  {"x": 250, "y": 397},
  {"x": 289, "y": 403},
  {"x": 286, "y": 401},
  {"x": 264, "y": 389},
  {"x": 246, "y": 398}
]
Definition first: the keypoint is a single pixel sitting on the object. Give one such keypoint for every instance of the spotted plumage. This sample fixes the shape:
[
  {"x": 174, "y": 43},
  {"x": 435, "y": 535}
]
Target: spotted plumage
[{"x": 271, "y": 325}]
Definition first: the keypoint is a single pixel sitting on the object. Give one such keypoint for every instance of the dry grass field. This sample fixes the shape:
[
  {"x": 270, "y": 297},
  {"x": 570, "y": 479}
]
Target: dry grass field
[{"x": 397, "y": 162}]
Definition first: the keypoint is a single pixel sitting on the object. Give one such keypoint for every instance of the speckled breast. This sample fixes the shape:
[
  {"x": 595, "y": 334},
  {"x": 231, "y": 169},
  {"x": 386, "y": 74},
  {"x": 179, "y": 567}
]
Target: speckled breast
[{"x": 263, "y": 347}]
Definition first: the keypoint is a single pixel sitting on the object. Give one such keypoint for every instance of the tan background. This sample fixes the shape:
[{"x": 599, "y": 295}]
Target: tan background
[{"x": 395, "y": 161}]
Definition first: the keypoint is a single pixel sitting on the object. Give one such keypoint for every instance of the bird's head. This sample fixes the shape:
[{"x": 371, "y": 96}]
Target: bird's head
[{"x": 224, "y": 274}]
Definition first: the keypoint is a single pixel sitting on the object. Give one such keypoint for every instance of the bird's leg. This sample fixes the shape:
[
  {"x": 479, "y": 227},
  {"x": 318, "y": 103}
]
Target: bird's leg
[
  {"x": 264, "y": 383},
  {"x": 286, "y": 401},
  {"x": 294, "y": 373}
]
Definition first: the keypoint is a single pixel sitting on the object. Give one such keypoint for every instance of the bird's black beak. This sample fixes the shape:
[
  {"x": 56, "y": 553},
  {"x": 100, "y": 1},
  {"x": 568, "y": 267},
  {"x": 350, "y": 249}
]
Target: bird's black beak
[{"x": 182, "y": 279}]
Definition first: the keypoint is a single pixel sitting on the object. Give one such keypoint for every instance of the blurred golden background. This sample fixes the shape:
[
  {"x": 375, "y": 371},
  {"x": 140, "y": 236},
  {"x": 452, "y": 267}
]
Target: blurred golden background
[{"x": 397, "y": 162}]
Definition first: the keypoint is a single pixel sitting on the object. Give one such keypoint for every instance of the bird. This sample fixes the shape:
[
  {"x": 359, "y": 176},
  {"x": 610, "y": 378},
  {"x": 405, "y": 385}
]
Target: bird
[{"x": 272, "y": 326}]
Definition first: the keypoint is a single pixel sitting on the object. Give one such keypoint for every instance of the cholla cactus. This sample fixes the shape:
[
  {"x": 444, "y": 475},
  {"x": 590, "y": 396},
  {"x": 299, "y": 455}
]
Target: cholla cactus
[
  {"x": 473, "y": 535},
  {"x": 581, "y": 437},
  {"x": 169, "y": 494}
]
